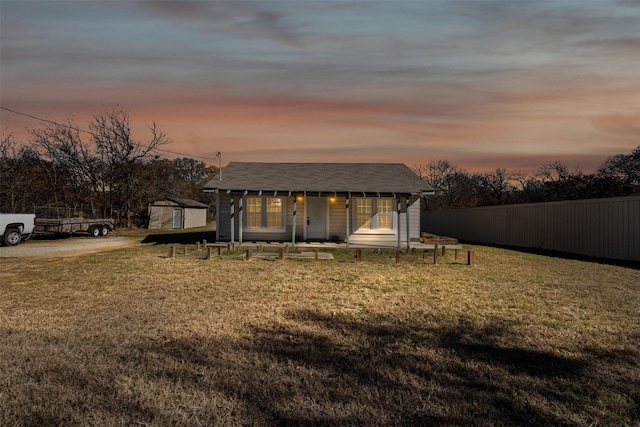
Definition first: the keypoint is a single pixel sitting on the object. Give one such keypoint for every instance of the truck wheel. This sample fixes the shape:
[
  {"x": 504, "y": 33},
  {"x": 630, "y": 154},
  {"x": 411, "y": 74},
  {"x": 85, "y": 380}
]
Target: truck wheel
[
  {"x": 104, "y": 230},
  {"x": 94, "y": 231},
  {"x": 12, "y": 236}
]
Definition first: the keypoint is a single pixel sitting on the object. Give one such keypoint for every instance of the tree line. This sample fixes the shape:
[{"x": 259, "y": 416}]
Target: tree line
[
  {"x": 618, "y": 175},
  {"x": 103, "y": 172}
]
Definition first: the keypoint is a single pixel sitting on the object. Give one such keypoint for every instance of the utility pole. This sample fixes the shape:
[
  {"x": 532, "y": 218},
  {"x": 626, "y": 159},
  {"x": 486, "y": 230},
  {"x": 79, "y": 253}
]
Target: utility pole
[{"x": 219, "y": 157}]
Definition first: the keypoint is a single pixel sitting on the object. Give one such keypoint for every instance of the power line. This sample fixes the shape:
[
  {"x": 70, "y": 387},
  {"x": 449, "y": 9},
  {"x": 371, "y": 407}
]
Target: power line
[{"x": 93, "y": 134}]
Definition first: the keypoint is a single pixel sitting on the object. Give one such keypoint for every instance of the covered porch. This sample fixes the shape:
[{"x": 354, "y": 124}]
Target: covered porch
[{"x": 341, "y": 203}]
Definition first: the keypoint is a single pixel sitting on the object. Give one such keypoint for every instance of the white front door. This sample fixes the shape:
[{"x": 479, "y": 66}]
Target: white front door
[
  {"x": 177, "y": 218},
  {"x": 316, "y": 218}
]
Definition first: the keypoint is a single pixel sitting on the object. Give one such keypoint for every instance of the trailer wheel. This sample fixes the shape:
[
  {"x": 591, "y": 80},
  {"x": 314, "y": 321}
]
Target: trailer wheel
[
  {"x": 12, "y": 236},
  {"x": 104, "y": 230},
  {"x": 94, "y": 231}
]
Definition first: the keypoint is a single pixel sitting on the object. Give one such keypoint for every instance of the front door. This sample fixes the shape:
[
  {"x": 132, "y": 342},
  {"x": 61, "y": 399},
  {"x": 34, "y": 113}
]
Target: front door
[
  {"x": 316, "y": 218},
  {"x": 177, "y": 218}
]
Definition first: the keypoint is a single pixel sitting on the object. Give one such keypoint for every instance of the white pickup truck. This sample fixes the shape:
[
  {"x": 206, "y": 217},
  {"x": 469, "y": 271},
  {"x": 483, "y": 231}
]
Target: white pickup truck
[{"x": 15, "y": 228}]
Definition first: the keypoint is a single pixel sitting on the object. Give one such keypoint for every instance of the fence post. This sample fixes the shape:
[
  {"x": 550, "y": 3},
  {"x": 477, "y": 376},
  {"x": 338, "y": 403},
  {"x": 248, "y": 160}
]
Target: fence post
[
  {"x": 435, "y": 254},
  {"x": 280, "y": 254},
  {"x": 198, "y": 245},
  {"x": 358, "y": 255},
  {"x": 248, "y": 255},
  {"x": 455, "y": 254},
  {"x": 398, "y": 256},
  {"x": 209, "y": 253},
  {"x": 172, "y": 251},
  {"x": 471, "y": 258}
]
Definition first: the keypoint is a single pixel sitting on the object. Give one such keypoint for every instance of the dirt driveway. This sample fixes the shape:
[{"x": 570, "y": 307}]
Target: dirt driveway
[{"x": 72, "y": 246}]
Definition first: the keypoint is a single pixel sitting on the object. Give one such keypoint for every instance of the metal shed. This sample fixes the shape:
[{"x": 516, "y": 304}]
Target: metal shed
[{"x": 173, "y": 213}]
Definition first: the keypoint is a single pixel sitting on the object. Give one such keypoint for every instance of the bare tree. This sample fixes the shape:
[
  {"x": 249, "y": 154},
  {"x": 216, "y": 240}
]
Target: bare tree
[
  {"x": 120, "y": 156},
  {"x": 562, "y": 183},
  {"x": 497, "y": 186},
  {"x": 68, "y": 162}
]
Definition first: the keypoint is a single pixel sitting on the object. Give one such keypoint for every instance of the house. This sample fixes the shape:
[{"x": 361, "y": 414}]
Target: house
[
  {"x": 172, "y": 212},
  {"x": 355, "y": 203}
]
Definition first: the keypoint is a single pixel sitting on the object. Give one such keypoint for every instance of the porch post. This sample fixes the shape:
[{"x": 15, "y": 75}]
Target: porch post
[
  {"x": 217, "y": 216},
  {"x": 233, "y": 222},
  {"x": 408, "y": 228},
  {"x": 240, "y": 220},
  {"x": 346, "y": 204},
  {"x": 295, "y": 212},
  {"x": 399, "y": 217}
]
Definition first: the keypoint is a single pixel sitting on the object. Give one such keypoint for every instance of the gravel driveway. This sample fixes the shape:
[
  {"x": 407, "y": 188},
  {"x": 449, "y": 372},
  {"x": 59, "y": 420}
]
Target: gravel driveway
[{"x": 71, "y": 246}]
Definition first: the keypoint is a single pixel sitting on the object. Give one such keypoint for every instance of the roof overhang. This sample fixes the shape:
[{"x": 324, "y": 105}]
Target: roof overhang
[{"x": 328, "y": 193}]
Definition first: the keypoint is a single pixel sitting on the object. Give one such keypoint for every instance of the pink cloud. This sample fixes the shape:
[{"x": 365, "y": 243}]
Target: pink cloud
[{"x": 618, "y": 123}]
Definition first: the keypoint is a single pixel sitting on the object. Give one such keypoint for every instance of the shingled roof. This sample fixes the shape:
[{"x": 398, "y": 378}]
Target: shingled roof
[
  {"x": 336, "y": 178},
  {"x": 184, "y": 203}
]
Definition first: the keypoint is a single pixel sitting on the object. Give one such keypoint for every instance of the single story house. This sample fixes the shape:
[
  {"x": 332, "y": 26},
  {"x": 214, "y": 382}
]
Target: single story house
[
  {"x": 172, "y": 212},
  {"x": 355, "y": 203}
]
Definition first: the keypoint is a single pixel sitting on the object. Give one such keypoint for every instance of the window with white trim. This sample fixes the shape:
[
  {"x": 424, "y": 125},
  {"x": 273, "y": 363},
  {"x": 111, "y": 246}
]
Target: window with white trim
[
  {"x": 265, "y": 212},
  {"x": 373, "y": 214}
]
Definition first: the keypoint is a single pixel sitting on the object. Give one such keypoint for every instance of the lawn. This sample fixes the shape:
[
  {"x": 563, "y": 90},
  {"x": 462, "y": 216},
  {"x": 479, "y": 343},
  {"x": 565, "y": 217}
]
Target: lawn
[{"x": 132, "y": 337}]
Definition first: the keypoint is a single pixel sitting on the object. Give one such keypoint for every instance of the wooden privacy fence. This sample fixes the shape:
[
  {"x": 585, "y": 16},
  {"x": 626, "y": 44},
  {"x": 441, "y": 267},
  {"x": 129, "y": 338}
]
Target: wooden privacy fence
[{"x": 602, "y": 228}]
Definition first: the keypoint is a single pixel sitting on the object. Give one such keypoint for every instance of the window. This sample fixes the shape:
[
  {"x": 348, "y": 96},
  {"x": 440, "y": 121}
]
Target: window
[
  {"x": 274, "y": 212},
  {"x": 385, "y": 214},
  {"x": 364, "y": 210},
  {"x": 374, "y": 214},
  {"x": 265, "y": 212},
  {"x": 254, "y": 212}
]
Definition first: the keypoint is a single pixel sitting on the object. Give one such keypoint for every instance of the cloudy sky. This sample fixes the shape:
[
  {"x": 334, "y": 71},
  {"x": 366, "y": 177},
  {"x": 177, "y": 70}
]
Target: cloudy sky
[{"x": 484, "y": 84}]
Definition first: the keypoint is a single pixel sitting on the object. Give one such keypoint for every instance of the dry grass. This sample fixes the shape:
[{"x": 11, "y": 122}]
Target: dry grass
[{"x": 131, "y": 337}]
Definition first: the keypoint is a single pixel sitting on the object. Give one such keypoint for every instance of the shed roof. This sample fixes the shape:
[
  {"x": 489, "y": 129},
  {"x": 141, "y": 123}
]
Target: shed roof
[
  {"x": 185, "y": 203},
  {"x": 343, "y": 178}
]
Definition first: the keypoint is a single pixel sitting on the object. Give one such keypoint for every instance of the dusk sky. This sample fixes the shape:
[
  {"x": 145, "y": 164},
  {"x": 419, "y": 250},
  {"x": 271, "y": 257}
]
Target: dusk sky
[{"x": 484, "y": 84}]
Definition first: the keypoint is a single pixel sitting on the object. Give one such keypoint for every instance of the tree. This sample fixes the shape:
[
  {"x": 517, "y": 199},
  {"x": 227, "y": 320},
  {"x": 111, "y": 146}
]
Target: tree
[
  {"x": 496, "y": 186},
  {"x": 120, "y": 158},
  {"x": 68, "y": 162},
  {"x": 623, "y": 169},
  {"x": 560, "y": 183},
  {"x": 22, "y": 181}
]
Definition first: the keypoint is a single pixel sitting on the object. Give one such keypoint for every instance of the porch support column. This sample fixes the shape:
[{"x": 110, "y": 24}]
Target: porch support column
[
  {"x": 240, "y": 219},
  {"x": 346, "y": 205},
  {"x": 295, "y": 212},
  {"x": 408, "y": 228},
  {"x": 233, "y": 221},
  {"x": 399, "y": 217},
  {"x": 217, "y": 215}
]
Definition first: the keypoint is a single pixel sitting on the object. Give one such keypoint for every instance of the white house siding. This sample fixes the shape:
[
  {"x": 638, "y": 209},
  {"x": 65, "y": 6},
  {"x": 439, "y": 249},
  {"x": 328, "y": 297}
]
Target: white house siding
[
  {"x": 223, "y": 222},
  {"x": 337, "y": 224},
  {"x": 337, "y": 218},
  {"x": 604, "y": 228}
]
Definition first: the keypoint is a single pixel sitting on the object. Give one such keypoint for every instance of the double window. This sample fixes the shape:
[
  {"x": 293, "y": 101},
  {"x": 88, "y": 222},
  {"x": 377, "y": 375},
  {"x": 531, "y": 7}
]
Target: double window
[
  {"x": 265, "y": 212},
  {"x": 373, "y": 214}
]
